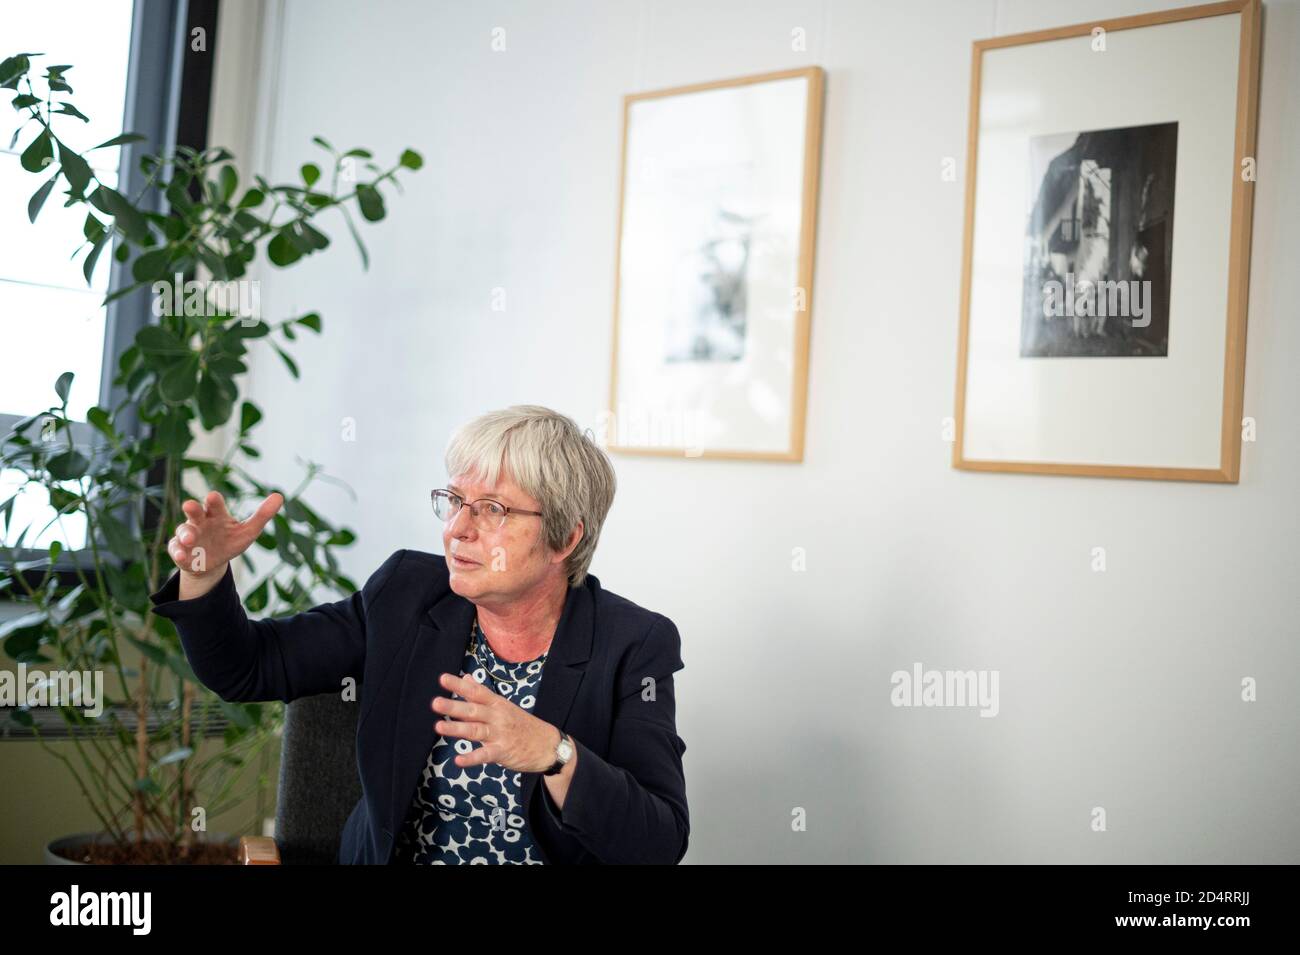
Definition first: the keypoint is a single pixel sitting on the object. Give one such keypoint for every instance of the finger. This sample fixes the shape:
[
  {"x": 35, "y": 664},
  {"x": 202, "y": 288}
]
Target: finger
[
  {"x": 194, "y": 510},
  {"x": 265, "y": 511},
  {"x": 471, "y": 690},
  {"x": 187, "y": 534},
  {"x": 475, "y": 731},
  {"x": 179, "y": 553},
  {"x": 216, "y": 505},
  {"x": 477, "y": 756},
  {"x": 458, "y": 709}
]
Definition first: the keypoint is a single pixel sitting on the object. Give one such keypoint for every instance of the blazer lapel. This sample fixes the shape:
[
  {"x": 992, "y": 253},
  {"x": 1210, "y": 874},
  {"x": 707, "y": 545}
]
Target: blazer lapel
[
  {"x": 442, "y": 637},
  {"x": 566, "y": 663},
  {"x": 441, "y": 640}
]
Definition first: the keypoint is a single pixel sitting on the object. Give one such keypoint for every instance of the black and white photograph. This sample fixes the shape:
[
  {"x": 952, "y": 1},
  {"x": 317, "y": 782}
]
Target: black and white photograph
[
  {"x": 715, "y": 251},
  {"x": 1099, "y": 243},
  {"x": 1105, "y": 275},
  {"x": 713, "y": 281}
]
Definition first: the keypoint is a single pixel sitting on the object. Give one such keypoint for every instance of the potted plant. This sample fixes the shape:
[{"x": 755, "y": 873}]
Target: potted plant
[{"x": 139, "y": 763}]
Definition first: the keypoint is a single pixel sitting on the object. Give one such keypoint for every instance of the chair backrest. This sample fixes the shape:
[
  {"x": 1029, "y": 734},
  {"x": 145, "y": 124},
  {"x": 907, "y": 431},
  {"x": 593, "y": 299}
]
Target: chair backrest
[{"x": 319, "y": 786}]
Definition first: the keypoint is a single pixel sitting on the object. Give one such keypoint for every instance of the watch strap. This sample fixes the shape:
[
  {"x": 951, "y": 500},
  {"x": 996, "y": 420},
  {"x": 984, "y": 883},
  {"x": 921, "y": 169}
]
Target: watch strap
[{"x": 559, "y": 763}]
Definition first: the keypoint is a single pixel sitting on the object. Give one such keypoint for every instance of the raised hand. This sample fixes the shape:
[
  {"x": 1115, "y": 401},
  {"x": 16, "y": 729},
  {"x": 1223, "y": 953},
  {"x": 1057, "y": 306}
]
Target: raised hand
[{"x": 211, "y": 538}]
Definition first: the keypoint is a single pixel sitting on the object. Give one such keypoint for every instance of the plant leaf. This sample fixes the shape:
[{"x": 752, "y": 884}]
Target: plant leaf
[
  {"x": 156, "y": 340},
  {"x": 293, "y": 367},
  {"x": 68, "y": 109},
  {"x": 119, "y": 140},
  {"x": 151, "y": 265},
  {"x": 38, "y": 199},
  {"x": 370, "y": 202},
  {"x": 14, "y": 67},
  {"x": 249, "y": 415},
  {"x": 128, "y": 217},
  {"x": 88, "y": 267},
  {"x": 281, "y": 249},
  {"x": 39, "y": 153},
  {"x": 229, "y": 181},
  {"x": 63, "y": 386},
  {"x": 356, "y": 237},
  {"x": 179, "y": 382},
  {"x": 75, "y": 169},
  {"x": 175, "y": 756},
  {"x": 67, "y": 466}
]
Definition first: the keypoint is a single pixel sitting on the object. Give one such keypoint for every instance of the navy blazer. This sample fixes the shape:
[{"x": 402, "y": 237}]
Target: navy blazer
[{"x": 608, "y": 682}]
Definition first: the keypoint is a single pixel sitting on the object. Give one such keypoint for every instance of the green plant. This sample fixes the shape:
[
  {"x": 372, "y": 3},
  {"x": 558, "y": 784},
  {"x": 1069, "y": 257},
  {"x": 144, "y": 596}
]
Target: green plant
[{"x": 139, "y": 764}]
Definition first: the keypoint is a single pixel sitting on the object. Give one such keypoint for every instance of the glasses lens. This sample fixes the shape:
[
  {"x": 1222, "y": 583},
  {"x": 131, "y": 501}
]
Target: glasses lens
[
  {"x": 443, "y": 506},
  {"x": 488, "y": 515},
  {"x": 491, "y": 514}
]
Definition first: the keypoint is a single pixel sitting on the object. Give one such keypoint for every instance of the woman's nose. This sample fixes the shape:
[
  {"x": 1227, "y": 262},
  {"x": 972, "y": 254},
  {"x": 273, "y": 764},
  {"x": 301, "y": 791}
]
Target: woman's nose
[{"x": 459, "y": 528}]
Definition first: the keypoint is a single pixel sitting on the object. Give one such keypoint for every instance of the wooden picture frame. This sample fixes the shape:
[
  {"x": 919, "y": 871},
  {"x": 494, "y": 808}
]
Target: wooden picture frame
[
  {"x": 646, "y": 382},
  {"x": 1003, "y": 423}
]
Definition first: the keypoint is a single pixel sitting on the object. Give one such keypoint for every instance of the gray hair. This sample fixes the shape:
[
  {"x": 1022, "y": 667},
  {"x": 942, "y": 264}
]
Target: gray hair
[{"x": 551, "y": 460}]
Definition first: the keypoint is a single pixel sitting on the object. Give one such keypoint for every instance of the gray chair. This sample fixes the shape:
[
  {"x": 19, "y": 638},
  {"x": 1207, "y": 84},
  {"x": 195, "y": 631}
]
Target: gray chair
[{"x": 319, "y": 786}]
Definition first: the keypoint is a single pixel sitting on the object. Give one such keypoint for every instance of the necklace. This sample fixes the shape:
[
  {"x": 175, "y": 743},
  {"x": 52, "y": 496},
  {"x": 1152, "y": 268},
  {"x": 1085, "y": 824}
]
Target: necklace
[{"x": 476, "y": 643}]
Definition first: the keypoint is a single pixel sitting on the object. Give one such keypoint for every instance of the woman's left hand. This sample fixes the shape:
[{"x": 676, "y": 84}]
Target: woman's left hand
[{"x": 508, "y": 735}]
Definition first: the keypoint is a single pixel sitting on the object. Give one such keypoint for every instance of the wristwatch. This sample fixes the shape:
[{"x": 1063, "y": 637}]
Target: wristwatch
[{"x": 563, "y": 753}]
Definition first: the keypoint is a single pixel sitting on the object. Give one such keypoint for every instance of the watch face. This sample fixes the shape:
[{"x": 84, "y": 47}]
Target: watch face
[{"x": 565, "y": 750}]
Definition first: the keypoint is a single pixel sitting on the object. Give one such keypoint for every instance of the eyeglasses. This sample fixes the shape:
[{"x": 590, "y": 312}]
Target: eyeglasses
[{"x": 488, "y": 514}]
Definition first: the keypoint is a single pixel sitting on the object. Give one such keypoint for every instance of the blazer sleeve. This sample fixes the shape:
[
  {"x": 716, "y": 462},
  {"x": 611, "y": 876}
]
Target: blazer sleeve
[
  {"x": 278, "y": 658},
  {"x": 631, "y": 807}
]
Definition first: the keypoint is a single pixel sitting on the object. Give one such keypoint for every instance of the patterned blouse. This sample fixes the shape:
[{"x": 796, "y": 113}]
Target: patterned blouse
[{"x": 471, "y": 814}]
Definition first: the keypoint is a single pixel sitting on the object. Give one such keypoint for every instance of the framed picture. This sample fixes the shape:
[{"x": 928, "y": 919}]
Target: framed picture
[
  {"x": 1107, "y": 247},
  {"x": 713, "y": 290}
]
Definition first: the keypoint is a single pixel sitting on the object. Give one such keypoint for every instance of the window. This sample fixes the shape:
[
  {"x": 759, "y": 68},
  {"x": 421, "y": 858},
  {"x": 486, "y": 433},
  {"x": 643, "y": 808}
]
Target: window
[
  {"x": 50, "y": 320},
  {"x": 132, "y": 70},
  {"x": 37, "y": 275}
]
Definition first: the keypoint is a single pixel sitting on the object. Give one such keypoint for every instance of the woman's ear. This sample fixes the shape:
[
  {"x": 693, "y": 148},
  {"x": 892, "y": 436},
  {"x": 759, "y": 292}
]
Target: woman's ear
[{"x": 573, "y": 540}]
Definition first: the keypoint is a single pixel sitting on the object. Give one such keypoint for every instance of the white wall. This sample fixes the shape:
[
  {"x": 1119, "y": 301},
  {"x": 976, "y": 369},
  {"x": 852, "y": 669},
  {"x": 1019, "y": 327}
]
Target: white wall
[{"x": 1118, "y": 690}]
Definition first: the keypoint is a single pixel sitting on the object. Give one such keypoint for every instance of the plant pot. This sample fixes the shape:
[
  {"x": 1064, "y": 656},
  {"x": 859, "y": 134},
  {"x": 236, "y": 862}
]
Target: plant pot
[{"x": 74, "y": 843}]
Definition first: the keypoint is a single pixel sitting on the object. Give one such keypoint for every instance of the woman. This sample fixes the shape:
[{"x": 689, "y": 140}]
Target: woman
[{"x": 511, "y": 709}]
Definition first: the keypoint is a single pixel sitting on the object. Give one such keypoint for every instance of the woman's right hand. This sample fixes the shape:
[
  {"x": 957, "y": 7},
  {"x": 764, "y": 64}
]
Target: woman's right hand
[{"x": 211, "y": 538}]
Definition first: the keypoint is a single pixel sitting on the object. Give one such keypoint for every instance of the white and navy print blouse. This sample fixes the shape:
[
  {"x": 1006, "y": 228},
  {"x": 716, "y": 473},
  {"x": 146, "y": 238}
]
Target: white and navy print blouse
[{"x": 471, "y": 814}]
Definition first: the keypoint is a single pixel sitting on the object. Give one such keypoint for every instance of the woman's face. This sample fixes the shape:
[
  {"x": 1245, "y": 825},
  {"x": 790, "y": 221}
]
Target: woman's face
[{"x": 505, "y": 562}]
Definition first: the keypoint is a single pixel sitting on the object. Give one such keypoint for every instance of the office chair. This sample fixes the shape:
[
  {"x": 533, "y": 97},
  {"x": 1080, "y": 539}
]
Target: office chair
[{"x": 318, "y": 787}]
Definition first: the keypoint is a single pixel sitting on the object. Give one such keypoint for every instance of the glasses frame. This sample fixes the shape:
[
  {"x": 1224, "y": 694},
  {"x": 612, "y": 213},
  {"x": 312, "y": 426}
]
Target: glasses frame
[{"x": 473, "y": 507}]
